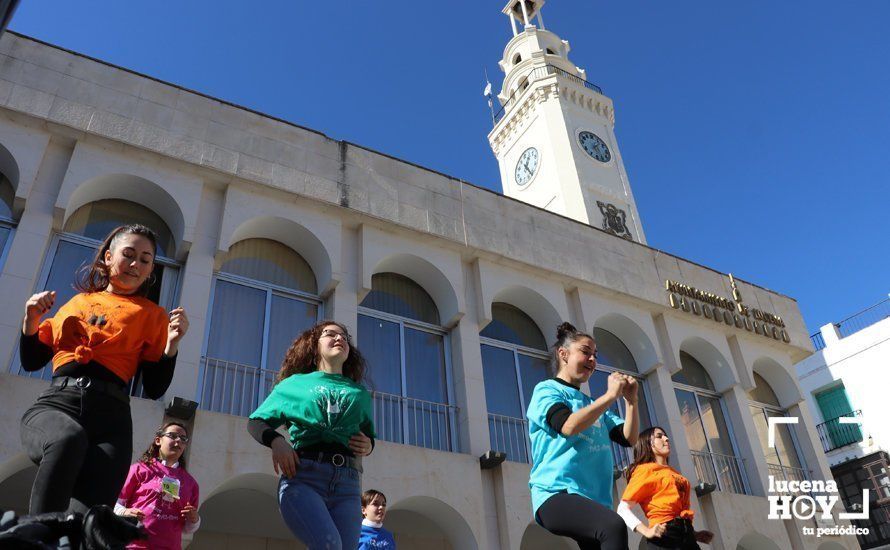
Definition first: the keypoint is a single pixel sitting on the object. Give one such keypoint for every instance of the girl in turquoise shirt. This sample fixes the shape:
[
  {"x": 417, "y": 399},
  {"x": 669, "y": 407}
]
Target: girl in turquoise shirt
[{"x": 570, "y": 432}]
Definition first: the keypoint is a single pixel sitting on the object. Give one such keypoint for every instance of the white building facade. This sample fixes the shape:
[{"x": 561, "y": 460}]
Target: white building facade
[
  {"x": 847, "y": 379},
  {"x": 453, "y": 293}
]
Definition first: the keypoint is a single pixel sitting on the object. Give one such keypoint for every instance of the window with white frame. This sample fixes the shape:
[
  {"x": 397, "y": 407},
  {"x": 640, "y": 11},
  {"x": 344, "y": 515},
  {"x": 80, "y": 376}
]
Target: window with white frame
[
  {"x": 783, "y": 460},
  {"x": 708, "y": 433},
  {"x": 264, "y": 296},
  {"x": 613, "y": 356},
  {"x": 407, "y": 351},
  {"x": 75, "y": 247},
  {"x": 514, "y": 360}
]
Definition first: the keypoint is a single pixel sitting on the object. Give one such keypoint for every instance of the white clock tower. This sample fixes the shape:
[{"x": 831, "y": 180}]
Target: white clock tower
[{"x": 554, "y": 137}]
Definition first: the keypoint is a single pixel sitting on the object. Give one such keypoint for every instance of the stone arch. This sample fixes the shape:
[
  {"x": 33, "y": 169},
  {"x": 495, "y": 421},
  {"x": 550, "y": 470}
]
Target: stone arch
[
  {"x": 428, "y": 276},
  {"x": 756, "y": 541},
  {"x": 533, "y": 304},
  {"x": 16, "y": 478},
  {"x": 632, "y": 336},
  {"x": 296, "y": 237},
  {"x": 9, "y": 171},
  {"x": 782, "y": 383},
  {"x": 242, "y": 511},
  {"x": 411, "y": 518},
  {"x": 536, "y": 537},
  {"x": 136, "y": 189},
  {"x": 714, "y": 362}
]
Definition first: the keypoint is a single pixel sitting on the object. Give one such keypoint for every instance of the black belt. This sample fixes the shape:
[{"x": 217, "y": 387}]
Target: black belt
[
  {"x": 337, "y": 459},
  {"x": 111, "y": 389}
]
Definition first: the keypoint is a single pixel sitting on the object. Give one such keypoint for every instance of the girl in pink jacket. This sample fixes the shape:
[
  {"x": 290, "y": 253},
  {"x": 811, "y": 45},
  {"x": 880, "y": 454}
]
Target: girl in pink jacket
[{"x": 160, "y": 493}]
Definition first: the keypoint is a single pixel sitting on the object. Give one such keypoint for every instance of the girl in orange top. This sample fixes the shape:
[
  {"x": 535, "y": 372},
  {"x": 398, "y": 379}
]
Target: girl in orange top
[
  {"x": 662, "y": 493},
  {"x": 79, "y": 432}
]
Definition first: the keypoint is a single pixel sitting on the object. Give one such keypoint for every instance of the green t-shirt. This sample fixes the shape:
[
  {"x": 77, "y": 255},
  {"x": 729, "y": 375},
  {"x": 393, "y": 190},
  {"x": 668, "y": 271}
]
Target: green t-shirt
[{"x": 318, "y": 408}]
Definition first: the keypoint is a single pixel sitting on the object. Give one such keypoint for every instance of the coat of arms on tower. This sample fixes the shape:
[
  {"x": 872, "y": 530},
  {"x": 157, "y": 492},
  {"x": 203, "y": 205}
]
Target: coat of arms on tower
[{"x": 614, "y": 220}]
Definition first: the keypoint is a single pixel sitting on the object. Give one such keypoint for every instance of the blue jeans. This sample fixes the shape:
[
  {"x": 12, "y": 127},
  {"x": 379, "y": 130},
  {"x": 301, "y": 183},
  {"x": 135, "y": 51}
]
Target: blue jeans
[{"x": 322, "y": 505}]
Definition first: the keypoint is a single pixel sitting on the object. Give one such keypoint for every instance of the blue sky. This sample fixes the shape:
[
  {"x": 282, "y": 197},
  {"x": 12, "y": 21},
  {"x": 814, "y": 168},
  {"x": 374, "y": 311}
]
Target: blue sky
[{"x": 755, "y": 134}]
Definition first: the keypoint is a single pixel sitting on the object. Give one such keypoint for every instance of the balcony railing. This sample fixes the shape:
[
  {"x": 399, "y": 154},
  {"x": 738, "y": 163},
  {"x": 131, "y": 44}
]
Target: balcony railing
[
  {"x": 537, "y": 74},
  {"x": 416, "y": 422},
  {"x": 788, "y": 473},
  {"x": 725, "y": 471},
  {"x": 232, "y": 388},
  {"x": 510, "y": 435},
  {"x": 835, "y": 435},
  {"x": 856, "y": 322}
]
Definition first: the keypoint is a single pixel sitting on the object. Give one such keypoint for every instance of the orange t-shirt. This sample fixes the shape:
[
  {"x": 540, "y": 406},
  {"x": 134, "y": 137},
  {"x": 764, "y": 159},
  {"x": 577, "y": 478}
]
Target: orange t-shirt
[
  {"x": 114, "y": 330},
  {"x": 661, "y": 492}
]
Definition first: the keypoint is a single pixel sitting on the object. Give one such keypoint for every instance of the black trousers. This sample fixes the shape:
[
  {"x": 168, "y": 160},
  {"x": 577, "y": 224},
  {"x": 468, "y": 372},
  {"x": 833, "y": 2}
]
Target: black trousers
[
  {"x": 589, "y": 523},
  {"x": 678, "y": 535},
  {"x": 82, "y": 443}
]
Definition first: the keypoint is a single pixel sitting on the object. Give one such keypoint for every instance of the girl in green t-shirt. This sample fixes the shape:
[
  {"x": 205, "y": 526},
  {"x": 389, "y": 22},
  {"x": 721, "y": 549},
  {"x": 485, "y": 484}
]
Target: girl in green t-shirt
[{"x": 319, "y": 397}]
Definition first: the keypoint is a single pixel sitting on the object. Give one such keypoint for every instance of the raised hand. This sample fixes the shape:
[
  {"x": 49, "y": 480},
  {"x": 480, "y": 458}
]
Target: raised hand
[
  {"x": 35, "y": 307},
  {"x": 630, "y": 389},
  {"x": 179, "y": 325},
  {"x": 615, "y": 385}
]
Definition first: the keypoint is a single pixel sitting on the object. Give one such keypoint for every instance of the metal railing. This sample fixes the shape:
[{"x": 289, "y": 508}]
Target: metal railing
[
  {"x": 788, "y": 473},
  {"x": 510, "y": 435},
  {"x": 232, "y": 388},
  {"x": 725, "y": 471},
  {"x": 537, "y": 74},
  {"x": 835, "y": 435},
  {"x": 856, "y": 322},
  {"x": 415, "y": 422}
]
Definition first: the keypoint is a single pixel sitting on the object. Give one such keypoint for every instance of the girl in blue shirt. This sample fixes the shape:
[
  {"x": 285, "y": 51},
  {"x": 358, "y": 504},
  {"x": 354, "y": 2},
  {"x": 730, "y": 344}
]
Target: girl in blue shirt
[{"x": 570, "y": 432}]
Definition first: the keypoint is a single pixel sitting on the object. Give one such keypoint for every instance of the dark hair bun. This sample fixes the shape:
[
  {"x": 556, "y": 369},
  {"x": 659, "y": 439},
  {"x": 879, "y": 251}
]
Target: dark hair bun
[{"x": 565, "y": 329}]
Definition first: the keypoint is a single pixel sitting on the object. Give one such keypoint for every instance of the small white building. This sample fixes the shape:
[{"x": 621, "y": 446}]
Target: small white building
[
  {"x": 452, "y": 292},
  {"x": 848, "y": 377}
]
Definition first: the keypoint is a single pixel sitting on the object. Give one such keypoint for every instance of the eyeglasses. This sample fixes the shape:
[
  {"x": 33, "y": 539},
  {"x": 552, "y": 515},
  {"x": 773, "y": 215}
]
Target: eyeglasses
[
  {"x": 176, "y": 437},
  {"x": 333, "y": 334}
]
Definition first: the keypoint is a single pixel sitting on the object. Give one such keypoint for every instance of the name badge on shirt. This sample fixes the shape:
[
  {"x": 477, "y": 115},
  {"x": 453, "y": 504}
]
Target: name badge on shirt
[{"x": 170, "y": 488}]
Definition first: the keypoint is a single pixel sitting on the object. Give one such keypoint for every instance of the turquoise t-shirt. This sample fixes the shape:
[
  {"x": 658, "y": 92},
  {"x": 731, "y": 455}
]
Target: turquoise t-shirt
[
  {"x": 581, "y": 464},
  {"x": 318, "y": 408}
]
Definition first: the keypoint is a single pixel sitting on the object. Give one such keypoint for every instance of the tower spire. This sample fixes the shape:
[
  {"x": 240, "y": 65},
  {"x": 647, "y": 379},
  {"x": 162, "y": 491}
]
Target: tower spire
[{"x": 524, "y": 13}]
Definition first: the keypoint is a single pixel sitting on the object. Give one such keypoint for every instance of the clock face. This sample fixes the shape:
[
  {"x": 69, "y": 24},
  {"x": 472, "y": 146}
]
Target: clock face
[
  {"x": 594, "y": 146},
  {"x": 527, "y": 166}
]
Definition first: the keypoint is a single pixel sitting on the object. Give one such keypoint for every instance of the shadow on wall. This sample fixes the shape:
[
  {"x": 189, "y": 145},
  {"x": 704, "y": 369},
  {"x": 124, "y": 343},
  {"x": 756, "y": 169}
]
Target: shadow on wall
[
  {"x": 538, "y": 538},
  {"x": 16, "y": 479},
  {"x": 756, "y": 541}
]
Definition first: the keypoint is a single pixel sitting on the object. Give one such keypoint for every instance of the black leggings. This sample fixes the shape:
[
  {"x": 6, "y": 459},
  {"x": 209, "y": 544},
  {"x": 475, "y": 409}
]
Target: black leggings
[
  {"x": 82, "y": 443},
  {"x": 592, "y": 525}
]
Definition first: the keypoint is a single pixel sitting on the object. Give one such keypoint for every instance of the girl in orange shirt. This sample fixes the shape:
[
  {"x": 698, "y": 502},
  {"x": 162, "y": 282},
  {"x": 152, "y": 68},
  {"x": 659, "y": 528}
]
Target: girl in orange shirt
[
  {"x": 79, "y": 432},
  {"x": 662, "y": 493}
]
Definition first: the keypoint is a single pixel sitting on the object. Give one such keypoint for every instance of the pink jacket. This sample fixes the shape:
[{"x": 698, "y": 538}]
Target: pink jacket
[{"x": 154, "y": 488}]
